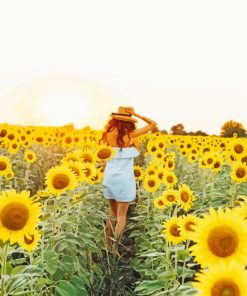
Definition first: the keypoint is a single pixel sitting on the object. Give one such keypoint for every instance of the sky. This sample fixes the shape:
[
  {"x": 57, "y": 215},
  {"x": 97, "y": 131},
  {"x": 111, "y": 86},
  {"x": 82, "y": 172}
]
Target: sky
[{"x": 76, "y": 61}]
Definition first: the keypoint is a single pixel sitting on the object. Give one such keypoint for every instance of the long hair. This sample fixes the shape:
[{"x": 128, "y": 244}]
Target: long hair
[{"x": 123, "y": 127}]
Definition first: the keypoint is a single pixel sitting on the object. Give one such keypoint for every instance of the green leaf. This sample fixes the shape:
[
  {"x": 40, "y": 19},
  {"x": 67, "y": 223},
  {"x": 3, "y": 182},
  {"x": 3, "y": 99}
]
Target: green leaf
[
  {"x": 79, "y": 285},
  {"x": 151, "y": 286},
  {"x": 65, "y": 288},
  {"x": 67, "y": 264},
  {"x": 50, "y": 261},
  {"x": 183, "y": 255}
]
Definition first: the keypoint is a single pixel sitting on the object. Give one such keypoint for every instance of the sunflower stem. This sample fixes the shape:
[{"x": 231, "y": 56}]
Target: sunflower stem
[
  {"x": 232, "y": 193},
  {"x": 3, "y": 269},
  {"x": 54, "y": 220},
  {"x": 184, "y": 263},
  {"x": 167, "y": 256},
  {"x": 175, "y": 266},
  {"x": 31, "y": 279}
]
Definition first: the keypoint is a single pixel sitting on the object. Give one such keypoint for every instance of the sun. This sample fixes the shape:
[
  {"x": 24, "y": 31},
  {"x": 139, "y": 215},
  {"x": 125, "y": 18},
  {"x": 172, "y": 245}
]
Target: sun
[{"x": 63, "y": 108}]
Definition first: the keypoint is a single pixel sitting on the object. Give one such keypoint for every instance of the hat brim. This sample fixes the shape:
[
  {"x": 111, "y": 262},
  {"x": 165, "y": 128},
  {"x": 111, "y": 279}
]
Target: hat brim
[{"x": 124, "y": 118}]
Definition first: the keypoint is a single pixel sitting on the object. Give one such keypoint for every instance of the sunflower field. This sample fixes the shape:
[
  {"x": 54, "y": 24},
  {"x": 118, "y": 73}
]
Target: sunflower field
[{"x": 186, "y": 232}]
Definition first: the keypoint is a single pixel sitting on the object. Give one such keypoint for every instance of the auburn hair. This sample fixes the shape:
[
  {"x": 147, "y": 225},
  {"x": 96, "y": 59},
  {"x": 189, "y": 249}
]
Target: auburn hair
[{"x": 123, "y": 127}]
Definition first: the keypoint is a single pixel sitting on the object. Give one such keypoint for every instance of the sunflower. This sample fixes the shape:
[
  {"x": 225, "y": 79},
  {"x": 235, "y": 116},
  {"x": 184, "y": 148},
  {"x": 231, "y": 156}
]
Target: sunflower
[
  {"x": 67, "y": 141},
  {"x": 170, "y": 179},
  {"x": 241, "y": 210},
  {"x": 9, "y": 175},
  {"x": 14, "y": 147},
  {"x": 105, "y": 152},
  {"x": 151, "y": 183},
  {"x": 188, "y": 224},
  {"x": 59, "y": 179},
  {"x": 77, "y": 198},
  {"x": 159, "y": 154},
  {"x": 159, "y": 202},
  {"x": 89, "y": 171},
  {"x": 88, "y": 157},
  {"x": 152, "y": 146},
  {"x": 97, "y": 178},
  {"x": 184, "y": 152},
  {"x": 185, "y": 197},
  {"x": 30, "y": 156},
  {"x": 173, "y": 232},
  {"x": 5, "y": 165},
  {"x": 202, "y": 163},
  {"x": 239, "y": 172},
  {"x": 170, "y": 196},
  {"x": 220, "y": 236},
  {"x": 192, "y": 158},
  {"x": 160, "y": 173},
  {"x": 89, "y": 146},
  {"x": 71, "y": 156},
  {"x": 218, "y": 161},
  {"x": 138, "y": 172},
  {"x": 209, "y": 158},
  {"x": 170, "y": 164},
  {"x": 238, "y": 148},
  {"x": 160, "y": 142},
  {"x": 29, "y": 241},
  {"x": 19, "y": 214},
  {"x": 43, "y": 193},
  {"x": 222, "y": 280},
  {"x": 77, "y": 168}
]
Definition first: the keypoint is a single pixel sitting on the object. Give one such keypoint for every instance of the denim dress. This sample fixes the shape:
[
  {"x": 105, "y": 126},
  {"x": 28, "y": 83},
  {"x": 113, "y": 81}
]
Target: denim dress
[{"x": 119, "y": 178}]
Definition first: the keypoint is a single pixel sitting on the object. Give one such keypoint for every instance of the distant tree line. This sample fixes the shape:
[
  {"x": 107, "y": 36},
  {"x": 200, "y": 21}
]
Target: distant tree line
[{"x": 230, "y": 128}]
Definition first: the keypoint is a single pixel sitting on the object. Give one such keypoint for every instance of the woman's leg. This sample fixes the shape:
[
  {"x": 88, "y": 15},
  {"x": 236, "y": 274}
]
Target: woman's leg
[
  {"x": 111, "y": 221},
  {"x": 122, "y": 210}
]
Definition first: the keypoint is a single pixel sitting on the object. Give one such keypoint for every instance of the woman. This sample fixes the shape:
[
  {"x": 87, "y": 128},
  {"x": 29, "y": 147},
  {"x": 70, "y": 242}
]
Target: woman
[{"x": 119, "y": 178}]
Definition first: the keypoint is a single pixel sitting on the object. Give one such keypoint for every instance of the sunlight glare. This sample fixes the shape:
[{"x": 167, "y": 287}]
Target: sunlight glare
[{"x": 63, "y": 108}]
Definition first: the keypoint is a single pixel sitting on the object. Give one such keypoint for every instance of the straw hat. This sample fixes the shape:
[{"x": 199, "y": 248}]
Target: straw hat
[{"x": 123, "y": 115}]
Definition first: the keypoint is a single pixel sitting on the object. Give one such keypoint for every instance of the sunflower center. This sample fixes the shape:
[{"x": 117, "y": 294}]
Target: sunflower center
[
  {"x": 76, "y": 171},
  {"x": 188, "y": 226},
  {"x": 170, "y": 164},
  {"x": 170, "y": 197},
  {"x": 238, "y": 148},
  {"x": 160, "y": 176},
  {"x": 240, "y": 172},
  {"x": 151, "y": 183},
  {"x": 216, "y": 164},
  {"x": 39, "y": 139},
  {"x": 209, "y": 160},
  {"x": 30, "y": 157},
  {"x": 14, "y": 216},
  {"x": 137, "y": 173},
  {"x": 87, "y": 172},
  {"x": 185, "y": 196},
  {"x": 244, "y": 159},
  {"x": 160, "y": 203},
  {"x": 87, "y": 158},
  {"x": 222, "y": 241},
  {"x": 104, "y": 153},
  {"x": 29, "y": 241},
  {"x": 3, "y": 165},
  {"x": 225, "y": 287},
  {"x": 68, "y": 140},
  {"x": 174, "y": 230},
  {"x": 60, "y": 181},
  {"x": 170, "y": 179}
]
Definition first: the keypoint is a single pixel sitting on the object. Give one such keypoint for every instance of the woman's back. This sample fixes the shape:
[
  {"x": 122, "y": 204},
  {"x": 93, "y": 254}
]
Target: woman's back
[{"x": 111, "y": 139}]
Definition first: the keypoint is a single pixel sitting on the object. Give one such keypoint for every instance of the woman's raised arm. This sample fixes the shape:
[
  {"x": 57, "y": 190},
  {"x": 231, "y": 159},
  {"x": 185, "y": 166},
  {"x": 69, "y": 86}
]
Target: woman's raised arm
[{"x": 138, "y": 132}]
